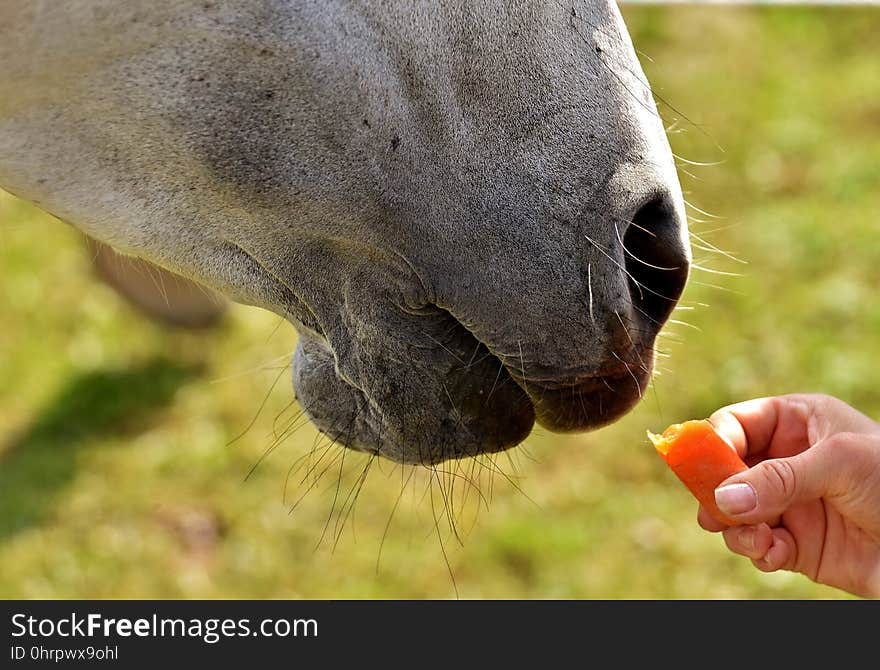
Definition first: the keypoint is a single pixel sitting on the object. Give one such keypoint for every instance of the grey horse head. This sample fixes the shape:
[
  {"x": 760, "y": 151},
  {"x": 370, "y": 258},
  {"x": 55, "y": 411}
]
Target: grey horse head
[{"x": 469, "y": 209}]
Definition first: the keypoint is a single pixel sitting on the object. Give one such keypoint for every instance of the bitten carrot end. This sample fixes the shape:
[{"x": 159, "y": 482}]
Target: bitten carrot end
[{"x": 701, "y": 458}]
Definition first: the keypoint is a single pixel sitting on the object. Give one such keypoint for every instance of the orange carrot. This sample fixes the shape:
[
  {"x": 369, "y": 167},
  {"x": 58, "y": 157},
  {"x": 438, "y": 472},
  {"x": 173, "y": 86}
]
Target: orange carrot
[{"x": 700, "y": 458}]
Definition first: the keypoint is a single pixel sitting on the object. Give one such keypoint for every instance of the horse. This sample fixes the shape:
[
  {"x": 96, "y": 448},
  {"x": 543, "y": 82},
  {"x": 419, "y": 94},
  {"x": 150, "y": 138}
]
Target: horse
[{"x": 468, "y": 210}]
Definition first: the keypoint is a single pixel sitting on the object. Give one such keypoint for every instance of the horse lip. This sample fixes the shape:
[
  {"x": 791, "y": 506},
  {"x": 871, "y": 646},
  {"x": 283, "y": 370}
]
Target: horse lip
[
  {"x": 556, "y": 383},
  {"x": 589, "y": 400}
]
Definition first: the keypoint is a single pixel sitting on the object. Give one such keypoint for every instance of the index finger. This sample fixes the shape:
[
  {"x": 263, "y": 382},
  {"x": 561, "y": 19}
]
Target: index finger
[{"x": 770, "y": 427}]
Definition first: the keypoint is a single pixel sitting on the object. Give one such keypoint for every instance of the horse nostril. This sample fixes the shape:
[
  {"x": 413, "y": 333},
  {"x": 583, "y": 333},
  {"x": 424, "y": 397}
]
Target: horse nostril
[{"x": 657, "y": 259}]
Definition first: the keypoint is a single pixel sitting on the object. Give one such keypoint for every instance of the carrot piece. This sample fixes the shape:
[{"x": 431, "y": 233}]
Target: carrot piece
[{"x": 701, "y": 458}]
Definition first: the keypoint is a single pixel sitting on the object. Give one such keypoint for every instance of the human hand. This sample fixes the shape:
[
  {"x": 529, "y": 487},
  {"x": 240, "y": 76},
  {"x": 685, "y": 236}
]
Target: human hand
[{"x": 810, "y": 501}]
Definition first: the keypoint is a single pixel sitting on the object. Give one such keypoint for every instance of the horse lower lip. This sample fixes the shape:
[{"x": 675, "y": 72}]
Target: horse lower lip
[
  {"x": 583, "y": 380},
  {"x": 594, "y": 402}
]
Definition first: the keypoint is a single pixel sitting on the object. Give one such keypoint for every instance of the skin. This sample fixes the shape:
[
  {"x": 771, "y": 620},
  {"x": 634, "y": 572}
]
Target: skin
[
  {"x": 436, "y": 195},
  {"x": 815, "y": 483}
]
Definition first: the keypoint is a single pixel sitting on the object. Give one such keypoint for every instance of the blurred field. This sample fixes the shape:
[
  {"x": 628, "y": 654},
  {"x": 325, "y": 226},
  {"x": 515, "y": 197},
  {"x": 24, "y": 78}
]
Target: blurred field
[{"x": 118, "y": 479}]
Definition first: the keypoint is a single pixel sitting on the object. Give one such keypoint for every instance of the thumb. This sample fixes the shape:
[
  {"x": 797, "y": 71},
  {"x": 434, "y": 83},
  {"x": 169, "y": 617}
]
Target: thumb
[{"x": 765, "y": 491}]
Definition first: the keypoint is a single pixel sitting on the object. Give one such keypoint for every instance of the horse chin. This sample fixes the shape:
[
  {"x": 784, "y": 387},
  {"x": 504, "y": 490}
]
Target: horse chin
[{"x": 479, "y": 411}]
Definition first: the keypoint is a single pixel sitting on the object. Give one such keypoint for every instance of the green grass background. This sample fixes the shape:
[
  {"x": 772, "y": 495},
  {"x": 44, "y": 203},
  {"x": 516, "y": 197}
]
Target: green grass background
[{"x": 118, "y": 479}]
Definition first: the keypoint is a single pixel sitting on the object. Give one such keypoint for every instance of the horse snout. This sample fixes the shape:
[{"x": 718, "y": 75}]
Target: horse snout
[{"x": 634, "y": 270}]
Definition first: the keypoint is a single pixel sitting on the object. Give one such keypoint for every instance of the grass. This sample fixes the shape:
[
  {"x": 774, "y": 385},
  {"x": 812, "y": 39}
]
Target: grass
[{"x": 120, "y": 474}]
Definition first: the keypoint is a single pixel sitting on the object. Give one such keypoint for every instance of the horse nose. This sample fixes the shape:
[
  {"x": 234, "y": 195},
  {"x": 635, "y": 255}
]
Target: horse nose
[{"x": 657, "y": 259}]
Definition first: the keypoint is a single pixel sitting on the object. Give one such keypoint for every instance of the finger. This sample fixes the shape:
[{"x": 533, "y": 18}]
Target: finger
[
  {"x": 750, "y": 541},
  {"x": 766, "y": 490},
  {"x": 835, "y": 416},
  {"x": 729, "y": 427},
  {"x": 775, "y": 426},
  {"x": 782, "y": 554},
  {"x": 709, "y": 522}
]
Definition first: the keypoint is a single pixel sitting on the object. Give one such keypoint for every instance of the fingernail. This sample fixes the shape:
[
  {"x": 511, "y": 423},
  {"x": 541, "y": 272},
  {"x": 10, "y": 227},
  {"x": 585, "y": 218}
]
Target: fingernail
[
  {"x": 747, "y": 536},
  {"x": 736, "y": 498}
]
